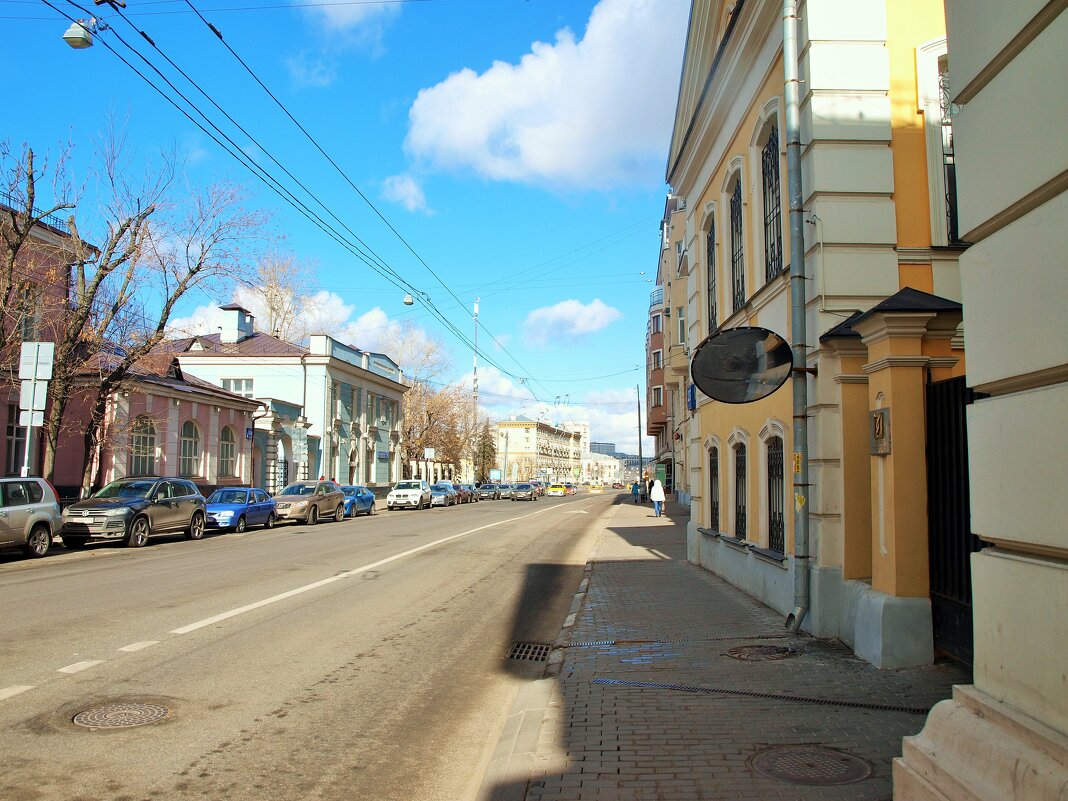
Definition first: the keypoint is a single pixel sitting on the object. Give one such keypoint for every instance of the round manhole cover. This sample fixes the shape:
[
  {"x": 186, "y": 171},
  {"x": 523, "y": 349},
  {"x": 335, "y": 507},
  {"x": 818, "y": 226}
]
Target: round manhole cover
[
  {"x": 121, "y": 716},
  {"x": 810, "y": 764},
  {"x": 760, "y": 653}
]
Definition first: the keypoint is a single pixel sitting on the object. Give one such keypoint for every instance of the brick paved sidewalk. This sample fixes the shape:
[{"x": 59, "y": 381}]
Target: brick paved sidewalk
[{"x": 632, "y": 713}]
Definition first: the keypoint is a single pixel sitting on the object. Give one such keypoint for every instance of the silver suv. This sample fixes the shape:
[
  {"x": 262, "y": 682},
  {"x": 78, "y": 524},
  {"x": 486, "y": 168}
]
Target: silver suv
[
  {"x": 29, "y": 515},
  {"x": 134, "y": 509}
]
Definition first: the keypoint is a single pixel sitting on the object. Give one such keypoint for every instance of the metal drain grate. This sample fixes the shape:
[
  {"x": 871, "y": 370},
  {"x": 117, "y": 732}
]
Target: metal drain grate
[
  {"x": 810, "y": 764},
  {"x": 801, "y": 699},
  {"x": 530, "y": 651},
  {"x": 761, "y": 653},
  {"x": 121, "y": 716}
]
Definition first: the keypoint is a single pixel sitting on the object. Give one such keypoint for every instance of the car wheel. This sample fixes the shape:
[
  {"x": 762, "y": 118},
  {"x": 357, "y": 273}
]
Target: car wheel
[
  {"x": 313, "y": 516},
  {"x": 137, "y": 536},
  {"x": 270, "y": 521},
  {"x": 372, "y": 510},
  {"x": 196, "y": 527},
  {"x": 39, "y": 541},
  {"x": 240, "y": 527},
  {"x": 339, "y": 513},
  {"x": 74, "y": 543}
]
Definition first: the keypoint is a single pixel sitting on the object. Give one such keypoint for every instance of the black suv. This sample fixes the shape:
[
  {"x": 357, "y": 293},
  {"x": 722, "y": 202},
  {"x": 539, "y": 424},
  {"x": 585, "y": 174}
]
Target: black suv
[{"x": 134, "y": 509}]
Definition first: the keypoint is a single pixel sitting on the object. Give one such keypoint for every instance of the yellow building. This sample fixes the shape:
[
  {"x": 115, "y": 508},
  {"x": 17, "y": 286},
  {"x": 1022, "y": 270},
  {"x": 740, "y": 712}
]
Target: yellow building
[
  {"x": 883, "y": 313},
  {"x": 536, "y": 449}
]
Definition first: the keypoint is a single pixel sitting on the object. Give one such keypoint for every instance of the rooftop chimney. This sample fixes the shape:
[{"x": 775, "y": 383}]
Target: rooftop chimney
[{"x": 236, "y": 324}]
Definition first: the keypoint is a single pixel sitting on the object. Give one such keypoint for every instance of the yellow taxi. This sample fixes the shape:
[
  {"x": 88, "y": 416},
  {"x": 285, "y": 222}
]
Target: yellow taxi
[
  {"x": 596, "y": 487},
  {"x": 556, "y": 491}
]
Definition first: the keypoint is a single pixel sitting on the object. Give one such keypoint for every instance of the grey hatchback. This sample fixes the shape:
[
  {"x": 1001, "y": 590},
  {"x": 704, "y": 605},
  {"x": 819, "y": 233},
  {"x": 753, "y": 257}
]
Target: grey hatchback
[
  {"x": 134, "y": 509},
  {"x": 29, "y": 515}
]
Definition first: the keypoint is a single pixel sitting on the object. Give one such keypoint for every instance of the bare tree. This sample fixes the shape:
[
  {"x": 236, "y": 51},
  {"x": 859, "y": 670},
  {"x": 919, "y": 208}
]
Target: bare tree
[{"x": 278, "y": 295}]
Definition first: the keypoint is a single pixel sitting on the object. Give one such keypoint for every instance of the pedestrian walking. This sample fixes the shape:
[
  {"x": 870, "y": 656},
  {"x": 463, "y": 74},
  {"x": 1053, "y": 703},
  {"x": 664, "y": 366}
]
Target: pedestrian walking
[
  {"x": 656, "y": 494},
  {"x": 643, "y": 491},
  {"x": 634, "y": 491}
]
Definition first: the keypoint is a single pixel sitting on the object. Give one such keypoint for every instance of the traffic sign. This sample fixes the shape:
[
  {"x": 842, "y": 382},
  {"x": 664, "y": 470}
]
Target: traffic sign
[
  {"x": 28, "y": 418},
  {"x": 35, "y": 360},
  {"x": 34, "y": 395}
]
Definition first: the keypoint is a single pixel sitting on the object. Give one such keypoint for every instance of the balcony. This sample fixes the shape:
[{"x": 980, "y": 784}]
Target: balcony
[{"x": 656, "y": 297}]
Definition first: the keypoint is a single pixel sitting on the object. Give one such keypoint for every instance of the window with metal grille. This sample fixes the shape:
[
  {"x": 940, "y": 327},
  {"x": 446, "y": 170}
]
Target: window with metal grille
[
  {"x": 143, "y": 447},
  {"x": 16, "y": 441},
  {"x": 776, "y": 490},
  {"x": 772, "y": 205},
  {"x": 739, "y": 491},
  {"x": 713, "y": 489},
  {"x": 737, "y": 254},
  {"x": 710, "y": 249},
  {"x": 227, "y": 453},
  {"x": 949, "y": 164},
  {"x": 189, "y": 458}
]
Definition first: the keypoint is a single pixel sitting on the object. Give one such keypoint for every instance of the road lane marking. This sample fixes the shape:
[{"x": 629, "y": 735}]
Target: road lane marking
[
  {"x": 208, "y": 621},
  {"x": 15, "y": 689},
  {"x": 78, "y": 667},
  {"x": 139, "y": 646}
]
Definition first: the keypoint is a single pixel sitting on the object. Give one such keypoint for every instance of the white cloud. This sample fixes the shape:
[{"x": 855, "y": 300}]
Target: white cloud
[
  {"x": 308, "y": 69},
  {"x": 588, "y": 113},
  {"x": 405, "y": 190},
  {"x": 370, "y": 18},
  {"x": 568, "y": 318}
]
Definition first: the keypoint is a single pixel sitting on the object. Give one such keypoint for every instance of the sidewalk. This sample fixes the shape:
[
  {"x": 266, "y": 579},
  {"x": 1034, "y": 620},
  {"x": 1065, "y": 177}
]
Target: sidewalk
[{"x": 673, "y": 684}]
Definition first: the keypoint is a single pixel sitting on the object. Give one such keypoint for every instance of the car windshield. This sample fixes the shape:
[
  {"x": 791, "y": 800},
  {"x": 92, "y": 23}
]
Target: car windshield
[
  {"x": 298, "y": 489},
  {"x": 441, "y": 487},
  {"x": 523, "y": 487},
  {"x": 407, "y": 485},
  {"x": 351, "y": 491},
  {"x": 126, "y": 489},
  {"x": 228, "y": 496}
]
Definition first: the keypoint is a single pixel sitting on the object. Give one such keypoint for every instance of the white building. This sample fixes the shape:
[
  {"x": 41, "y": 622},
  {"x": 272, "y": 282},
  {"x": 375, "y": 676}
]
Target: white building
[
  {"x": 332, "y": 410},
  {"x": 599, "y": 468},
  {"x": 535, "y": 449}
]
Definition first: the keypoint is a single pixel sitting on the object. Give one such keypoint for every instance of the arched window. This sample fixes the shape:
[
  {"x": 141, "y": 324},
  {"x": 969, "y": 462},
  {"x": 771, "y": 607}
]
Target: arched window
[
  {"x": 189, "y": 458},
  {"x": 740, "y": 493},
  {"x": 737, "y": 248},
  {"x": 713, "y": 489},
  {"x": 776, "y": 501},
  {"x": 710, "y": 249},
  {"x": 227, "y": 453},
  {"x": 143, "y": 447},
  {"x": 772, "y": 203}
]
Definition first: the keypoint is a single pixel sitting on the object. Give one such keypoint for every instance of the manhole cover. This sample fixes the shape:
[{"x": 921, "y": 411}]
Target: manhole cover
[
  {"x": 760, "y": 653},
  {"x": 810, "y": 764},
  {"x": 530, "y": 651},
  {"x": 121, "y": 716}
]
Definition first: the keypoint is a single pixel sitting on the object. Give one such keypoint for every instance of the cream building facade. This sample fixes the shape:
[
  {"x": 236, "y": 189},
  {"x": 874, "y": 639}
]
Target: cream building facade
[{"x": 536, "y": 449}]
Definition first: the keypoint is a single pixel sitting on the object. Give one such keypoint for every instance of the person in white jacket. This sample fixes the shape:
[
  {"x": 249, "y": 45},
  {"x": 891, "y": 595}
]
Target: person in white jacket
[{"x": 656, "y": 495}]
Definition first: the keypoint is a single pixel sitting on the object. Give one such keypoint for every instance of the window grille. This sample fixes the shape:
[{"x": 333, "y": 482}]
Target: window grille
[
  {"x": 737, "y": 257},
  {"x": 710, "y": 249},
  {"x": 227, "y": 453},
  {"x": 739, "y": 491},
  {"x": 776, "y": 490},
  {"x": 949, "y": 165},
  {"x": 189, "y": 459},
  {"x": 713, "y": 489},
  {"x": 16, "y": 441},
  {"x": 772, "y": 205},
  {"x": 143, "y": 447}
]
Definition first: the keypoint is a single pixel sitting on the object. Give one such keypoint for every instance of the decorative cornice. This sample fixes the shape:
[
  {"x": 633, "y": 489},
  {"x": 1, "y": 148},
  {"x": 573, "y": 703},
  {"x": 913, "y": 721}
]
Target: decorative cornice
[
  {"x": 1020, "y": 383},
  {"x": 947, "y": 362},
  {"x": 896, "y": 361},
  {"x": 850, "y": 378}
]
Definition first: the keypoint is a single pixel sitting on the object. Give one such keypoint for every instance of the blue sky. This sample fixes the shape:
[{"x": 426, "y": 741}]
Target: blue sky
[{"x": 517, "y": 145}]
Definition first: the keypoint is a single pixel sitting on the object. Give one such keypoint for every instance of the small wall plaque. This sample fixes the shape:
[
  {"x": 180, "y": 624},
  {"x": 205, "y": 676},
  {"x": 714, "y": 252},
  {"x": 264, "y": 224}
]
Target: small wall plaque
[{"x": 879, "y": 432}]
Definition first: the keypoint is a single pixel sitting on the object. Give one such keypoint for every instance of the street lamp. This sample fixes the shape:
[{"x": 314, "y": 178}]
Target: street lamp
[{"x": 80, "y": 34}]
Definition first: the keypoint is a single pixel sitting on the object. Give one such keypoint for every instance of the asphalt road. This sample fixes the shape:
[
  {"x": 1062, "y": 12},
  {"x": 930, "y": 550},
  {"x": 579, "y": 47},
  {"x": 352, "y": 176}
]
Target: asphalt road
[{"x": 364, "y": 659}]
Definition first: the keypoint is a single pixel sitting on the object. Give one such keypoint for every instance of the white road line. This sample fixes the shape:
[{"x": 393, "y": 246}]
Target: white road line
[
  {"x": 138, "y": 646},
  {"x": 78, "y": 667},
  {"x": 208, "y": 621},
  {"x": 15, "y": 689}
]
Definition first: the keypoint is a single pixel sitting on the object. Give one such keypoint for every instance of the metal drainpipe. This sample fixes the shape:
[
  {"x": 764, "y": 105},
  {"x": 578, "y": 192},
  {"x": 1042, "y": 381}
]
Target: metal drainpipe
[{"x": 799, "y": 327}]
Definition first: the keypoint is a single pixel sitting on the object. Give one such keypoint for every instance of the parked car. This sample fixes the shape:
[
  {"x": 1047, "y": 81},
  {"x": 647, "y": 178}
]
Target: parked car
[
  {"x": 505, "y": 491},
  {"x": 556, "y": 491},
  {"x": 473, "y": 489},
  {"x": 524, "y": 492},
  {"x": 236, "y": 508},
  {"x": 29, "y": 515},
  {"x": 538, "y": 486},
  {"x": 358, "y": 500},
  {"x": 134, "y": 509},
  {"x": 308, "y": 501},
  {"x": 463, "y": 493},
  {"x": 617, "y": 485},
  {"x": 491, "y": 491},
  {"x": 413, "y": 494},
  {"x": 443, "y": 494}
]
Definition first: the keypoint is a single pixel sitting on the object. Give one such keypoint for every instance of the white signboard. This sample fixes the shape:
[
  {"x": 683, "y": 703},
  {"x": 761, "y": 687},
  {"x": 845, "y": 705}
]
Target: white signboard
[
  {"x": 34, "y": 395},
  {"x": 27, "y": 419},
  {"x": 429, "y": 454},
  {"x": 35, "y": 360}
]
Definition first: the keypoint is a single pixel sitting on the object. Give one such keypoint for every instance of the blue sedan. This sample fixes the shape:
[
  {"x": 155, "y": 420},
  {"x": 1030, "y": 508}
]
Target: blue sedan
[
  {"x": 237, "y": 508},
  {"x": 358, "y": 500}
]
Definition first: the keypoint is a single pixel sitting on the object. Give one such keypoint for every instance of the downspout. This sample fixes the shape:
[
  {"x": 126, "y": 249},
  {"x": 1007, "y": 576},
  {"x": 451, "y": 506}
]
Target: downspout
[{"x": 798, "y": 322}]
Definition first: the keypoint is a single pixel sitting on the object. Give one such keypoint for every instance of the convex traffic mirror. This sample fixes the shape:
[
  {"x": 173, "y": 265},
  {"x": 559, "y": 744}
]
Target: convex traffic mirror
[{"x": 741, "y": 365}]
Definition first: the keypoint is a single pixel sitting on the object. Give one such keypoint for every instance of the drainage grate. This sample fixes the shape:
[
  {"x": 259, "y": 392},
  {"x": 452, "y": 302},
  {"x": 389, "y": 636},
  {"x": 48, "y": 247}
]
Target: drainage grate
[
  {"x": 802, "y": 699},
  {"x": 810, "y": 764},
  {"x": 530, "y": 651},
  {"x": 760, "y": 653},
  {"x": 121, "y": 716}
]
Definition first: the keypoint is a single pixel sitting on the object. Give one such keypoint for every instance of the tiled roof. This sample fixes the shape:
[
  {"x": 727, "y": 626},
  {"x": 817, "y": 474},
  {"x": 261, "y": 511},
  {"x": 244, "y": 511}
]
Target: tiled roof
[
  {"x": 905, "y": 300},
  {"x": 259, "y": 344}
]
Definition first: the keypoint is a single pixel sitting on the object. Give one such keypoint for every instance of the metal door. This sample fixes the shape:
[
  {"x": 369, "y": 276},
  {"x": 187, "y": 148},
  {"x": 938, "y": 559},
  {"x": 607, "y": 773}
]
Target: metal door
[{"x": 950, "y": 539}]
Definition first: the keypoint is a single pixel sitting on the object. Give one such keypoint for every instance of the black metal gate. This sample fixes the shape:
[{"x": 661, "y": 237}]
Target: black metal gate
[{"x": 950, "y": 538}]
